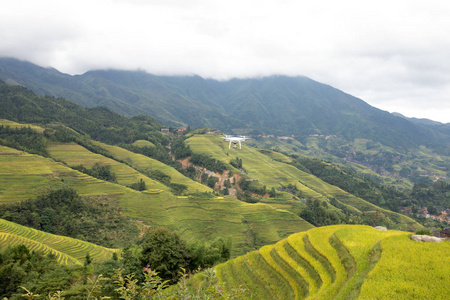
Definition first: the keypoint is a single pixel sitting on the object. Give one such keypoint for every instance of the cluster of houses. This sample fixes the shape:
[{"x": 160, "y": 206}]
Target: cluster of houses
[
  {"x": 444, "y": 233},
  {"x": 282, "y": 138},
  {"x": 179, "y": 130},
  {"x": 443, "y": 215}
]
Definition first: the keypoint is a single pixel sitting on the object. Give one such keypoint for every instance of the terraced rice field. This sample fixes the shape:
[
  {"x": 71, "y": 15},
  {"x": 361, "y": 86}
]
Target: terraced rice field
[
  {"x": 73, "y": 154},
  {"x": 25, "y": 176},
  {"x": 67, "y": 250},
  {"x": 343, "y": 262},
  {"x": 272, "y": 170},
  {"x": 144, "y": 164},
  {"x": 13, "y": 124}
]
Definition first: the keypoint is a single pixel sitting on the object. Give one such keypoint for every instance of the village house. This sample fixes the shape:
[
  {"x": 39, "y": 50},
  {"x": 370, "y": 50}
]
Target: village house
[
  {"x": 285, "y": 138},
  {"x": 406, "y": 209},
  {"x": 445, "y": 233}
]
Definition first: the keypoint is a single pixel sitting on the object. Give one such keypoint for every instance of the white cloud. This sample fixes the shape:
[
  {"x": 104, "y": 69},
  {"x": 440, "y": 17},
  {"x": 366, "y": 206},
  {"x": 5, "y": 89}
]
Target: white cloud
[{"x": 392, "y": 54}]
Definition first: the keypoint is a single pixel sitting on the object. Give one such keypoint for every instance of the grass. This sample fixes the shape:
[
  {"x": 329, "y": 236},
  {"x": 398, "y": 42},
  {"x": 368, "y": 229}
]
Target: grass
[{"x": 66, "y": 249}]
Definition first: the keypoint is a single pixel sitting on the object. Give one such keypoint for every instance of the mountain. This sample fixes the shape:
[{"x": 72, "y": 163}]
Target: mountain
[
  {"x": 272, "y": 105},
  {"x": 427, "y": 122},
  {"x": 323, "y": 121}
]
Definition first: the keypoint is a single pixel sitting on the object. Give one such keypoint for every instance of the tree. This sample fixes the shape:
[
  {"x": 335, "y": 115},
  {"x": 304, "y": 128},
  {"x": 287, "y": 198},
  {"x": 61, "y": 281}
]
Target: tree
[
  {"x": 211, "y": 182},
  {"x": 87, "y": 259},
  {"x": 165, "y": 252},
  {"x": 138, "y": 186}
]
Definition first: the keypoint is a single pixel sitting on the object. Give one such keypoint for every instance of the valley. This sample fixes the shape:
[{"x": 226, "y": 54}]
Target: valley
[{"x": 270, "y": 216}]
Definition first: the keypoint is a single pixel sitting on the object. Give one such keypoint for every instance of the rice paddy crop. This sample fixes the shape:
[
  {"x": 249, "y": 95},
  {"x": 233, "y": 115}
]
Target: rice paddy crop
[
  {"x": 67, "y": 250},
  {"x": 295, "y": 268}
]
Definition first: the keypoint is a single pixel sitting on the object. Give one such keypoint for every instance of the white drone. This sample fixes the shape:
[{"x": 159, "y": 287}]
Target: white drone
[{"x": 235, "y": 140}]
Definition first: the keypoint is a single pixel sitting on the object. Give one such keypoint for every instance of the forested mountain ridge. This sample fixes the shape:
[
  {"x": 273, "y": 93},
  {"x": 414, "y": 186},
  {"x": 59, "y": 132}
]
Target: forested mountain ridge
[
  {"x": 272, "y": 105},
  {"x": 68, "y": 129}
]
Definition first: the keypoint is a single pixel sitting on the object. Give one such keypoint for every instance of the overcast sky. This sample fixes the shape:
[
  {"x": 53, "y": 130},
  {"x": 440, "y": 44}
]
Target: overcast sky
[{"x": 393, "y": 54}]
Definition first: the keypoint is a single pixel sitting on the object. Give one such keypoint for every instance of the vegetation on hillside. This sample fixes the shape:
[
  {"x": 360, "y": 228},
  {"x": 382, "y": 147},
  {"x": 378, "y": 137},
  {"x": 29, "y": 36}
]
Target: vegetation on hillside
[
  {"x": 266, "y": 173},
  {"x": 365, "y": 188},
  {"x": 24, "y": 138},
  {"x": 94, "y": 219},
  {"x": 298, "y": 188},
  {"x": 160, "y": 250}
]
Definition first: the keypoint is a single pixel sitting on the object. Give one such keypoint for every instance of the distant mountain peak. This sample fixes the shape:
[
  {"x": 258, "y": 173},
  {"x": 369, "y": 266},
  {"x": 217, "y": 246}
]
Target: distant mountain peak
[{"x": 422, "y": 121}]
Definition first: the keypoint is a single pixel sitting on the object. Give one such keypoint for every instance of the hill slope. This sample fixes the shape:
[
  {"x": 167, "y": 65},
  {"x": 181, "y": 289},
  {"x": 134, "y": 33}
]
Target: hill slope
[
  {"x": 342, "y": 262},
  {"x": 275, "y": 173},
  {"x": 196, "y": 217},
  {"x": 67, "y": 250},
  {"x": 324, "y": 121}
]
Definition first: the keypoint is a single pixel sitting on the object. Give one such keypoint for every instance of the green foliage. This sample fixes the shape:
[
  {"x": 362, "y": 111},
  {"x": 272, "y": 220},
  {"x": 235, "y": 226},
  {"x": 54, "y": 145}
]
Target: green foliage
[
  {"x": 159, "y": 175},
  {"x": 130, "y": 289},
  {"x": 211, "y": 182},
  {"x": 22, "y": 105},
  {"x": 318, "y": 214},
  {"x": 237, "y": 162},
  {"x": 25, "y": 139},
  {"x": 252, "y": 186},
  {"x": 179, "y": 149},
  {"x": 431, "y": 195},
  {"x": 364, "y": 188},
  {"x": 176, "y": 188},
  {"x": 87, "y": 260},
  {"x": 99, "y": 171},
  {"x": 36, "y": 272},
  {"x": 138, "y": 186},
  {"x": 165, "y": 252},
  {"x": 207, "y": 162},
  {"x": 424, "y": 231},
  {"x": 205, "y": 255},
  {"x": 290, "y": 188},
  {"x": 64, "y": 212}
]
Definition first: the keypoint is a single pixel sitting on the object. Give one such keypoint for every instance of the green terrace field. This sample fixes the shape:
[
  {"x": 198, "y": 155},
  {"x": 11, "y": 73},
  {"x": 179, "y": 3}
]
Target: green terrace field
[
  {"x": 143, "y": 163},
  {"x": 271, "y": 170},
  {"x": 67, "y": 250},
  {"x": 24, "y": 176},
  {"x": 73, "y": 154},
  {"x": 13, "y": 124},
  {"x": 342, "y": 262},
  {"x": 423, "y": 160},
  {"x": 143, "y": 143}
]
